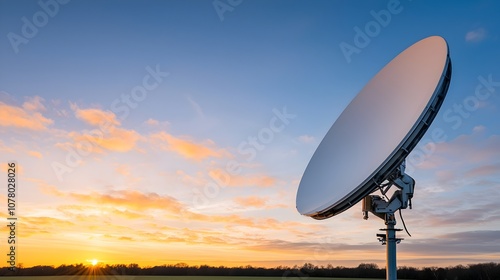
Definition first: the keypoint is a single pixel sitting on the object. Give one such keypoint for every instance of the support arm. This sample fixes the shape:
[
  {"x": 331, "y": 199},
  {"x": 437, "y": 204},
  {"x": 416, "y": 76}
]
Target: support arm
[{"x": 400, "y": 199}]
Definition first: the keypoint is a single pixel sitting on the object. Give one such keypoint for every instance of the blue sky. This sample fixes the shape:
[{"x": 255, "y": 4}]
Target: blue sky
[{"x": 223, "y": 76}]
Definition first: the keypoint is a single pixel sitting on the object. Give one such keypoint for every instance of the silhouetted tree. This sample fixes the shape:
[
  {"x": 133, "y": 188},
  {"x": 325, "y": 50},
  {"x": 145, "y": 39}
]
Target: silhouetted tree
[{"x": 482, "y": 271}]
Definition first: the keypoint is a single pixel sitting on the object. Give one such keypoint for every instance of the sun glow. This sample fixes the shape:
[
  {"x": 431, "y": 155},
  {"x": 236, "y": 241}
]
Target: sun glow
[{"x": 94, "y": 262}]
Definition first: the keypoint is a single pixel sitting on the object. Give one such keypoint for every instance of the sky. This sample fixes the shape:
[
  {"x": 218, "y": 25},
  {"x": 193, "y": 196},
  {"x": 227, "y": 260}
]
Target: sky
[{"x": 164, "y": 132}]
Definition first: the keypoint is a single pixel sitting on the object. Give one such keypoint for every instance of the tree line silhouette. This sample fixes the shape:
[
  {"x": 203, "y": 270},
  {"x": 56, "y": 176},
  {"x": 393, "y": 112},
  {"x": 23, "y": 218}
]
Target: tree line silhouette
[{"x": 490, "y": 271}]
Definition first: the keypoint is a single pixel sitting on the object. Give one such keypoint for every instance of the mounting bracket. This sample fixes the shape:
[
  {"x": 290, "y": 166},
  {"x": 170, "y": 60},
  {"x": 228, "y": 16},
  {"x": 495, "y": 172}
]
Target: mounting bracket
[
  {"x": 384, "y": 208},
  {"x": 400, "y": 199}
]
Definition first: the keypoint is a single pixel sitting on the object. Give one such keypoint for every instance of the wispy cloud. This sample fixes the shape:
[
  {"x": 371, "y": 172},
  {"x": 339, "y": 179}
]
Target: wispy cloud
[
  {"x": 123, "y": 170},
  {"x": 27, "y": 116},
  {"x": 246, "y": 180},
  {"x": 466, "y": 149},
  {"x": 196, "y": 107},
  {"x": 458, "y": 243},
  {"x": 483, "y": 170},
  {"x": 306, "y": 138},
  {"x": 96, "y": 117},
  {"x": 156, "y": 123},
  {"x": 251, "y": 201},
  {"x": 235, "y": 220},
  {"x": 465, "y": 217},
  {"x": 197, "y": 179},
  {"x": 130, "y": 199},
  {"x": 5, "y": 148},
  {"x": 114, "y": 139},
  {"x": 476, "y": 35},
  {"x": 257, "y": 202},
  {"x": 127, "y": 171},
  {"x": 478, "y": 129},
  {"x": 35, "y": 154},
  {"x": 467, "y": 237},
  {"x": 107, "y": 136},
  {"x": 34, "y": 104},
  {"x": 187, "y": 147},
  {"x": 43, "y": 225},
  {"x": 151, "y": 122}
]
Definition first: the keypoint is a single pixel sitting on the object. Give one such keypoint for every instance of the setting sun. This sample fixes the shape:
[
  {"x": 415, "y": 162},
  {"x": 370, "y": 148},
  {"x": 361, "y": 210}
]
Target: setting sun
[{"x": 94, "y": 262}]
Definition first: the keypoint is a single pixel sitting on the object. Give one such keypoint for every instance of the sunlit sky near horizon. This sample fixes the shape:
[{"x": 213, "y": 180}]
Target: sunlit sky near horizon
[{"x": 160, "y": 132}]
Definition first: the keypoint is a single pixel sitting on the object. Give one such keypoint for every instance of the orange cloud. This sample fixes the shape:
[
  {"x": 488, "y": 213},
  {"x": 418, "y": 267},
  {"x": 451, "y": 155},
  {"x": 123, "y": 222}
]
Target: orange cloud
[
  {"x": 226, "y": 219},
  {"x": 96, "y": 117},
  {"x": 108, "y": 136},
  {"x": 35, "y": 154},
  {"x": 253, "y": 180},
  {"x": 152, "y": 122},
  {"x": 14, "y": 116},
  {"x": 34, "y": 104},
  {"x": 42, "y": 225},
  {"x": 188, "y": 148},
  {"x": 235, "y": 220},
  {"x": 155, "y": 123},
  {"x": 46, "y": 221},
  {"x": 251, "y": 201},
  {"x": 4, "y": 168},
  {"x": 187, "y": 179},
  {"x": 123, "y": 170},
  {"x": 129, "y": 199},
  {"x": 114, "y": 139},
  {"x": 257, "y": 202}
]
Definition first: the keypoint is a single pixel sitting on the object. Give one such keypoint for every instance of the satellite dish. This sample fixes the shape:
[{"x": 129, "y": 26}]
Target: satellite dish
[
  {"x": 377, "y": 130},
  {"x": 366, "y": 147}
]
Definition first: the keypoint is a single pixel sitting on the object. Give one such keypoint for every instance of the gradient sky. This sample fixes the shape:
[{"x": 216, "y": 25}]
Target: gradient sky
[{"x": 159, "y": 132}]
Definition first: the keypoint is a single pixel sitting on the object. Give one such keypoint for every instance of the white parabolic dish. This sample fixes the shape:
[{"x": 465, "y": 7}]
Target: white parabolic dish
[{"x": 377, "y": 130}]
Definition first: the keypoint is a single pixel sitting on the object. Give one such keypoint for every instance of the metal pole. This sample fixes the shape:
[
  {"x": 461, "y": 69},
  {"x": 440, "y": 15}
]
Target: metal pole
[{"x": 391, "y": 269}]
